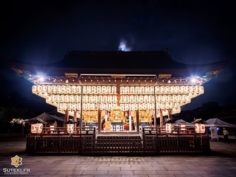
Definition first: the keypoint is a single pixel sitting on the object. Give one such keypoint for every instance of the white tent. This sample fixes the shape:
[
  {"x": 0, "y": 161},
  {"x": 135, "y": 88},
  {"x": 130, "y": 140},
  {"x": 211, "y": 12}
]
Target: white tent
[
  {"x": 181, "y": 120},
  {"x": 215, "y": 122}
]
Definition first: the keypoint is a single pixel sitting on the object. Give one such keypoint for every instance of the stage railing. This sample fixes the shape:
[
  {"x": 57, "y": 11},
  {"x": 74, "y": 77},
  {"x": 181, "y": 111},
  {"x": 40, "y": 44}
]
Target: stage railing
[{"x": 88, "y": 144}]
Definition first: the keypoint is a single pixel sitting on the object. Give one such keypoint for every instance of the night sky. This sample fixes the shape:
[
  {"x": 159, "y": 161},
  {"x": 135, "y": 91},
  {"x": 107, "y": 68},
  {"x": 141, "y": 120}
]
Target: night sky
[{"x": 194, "y": 32}]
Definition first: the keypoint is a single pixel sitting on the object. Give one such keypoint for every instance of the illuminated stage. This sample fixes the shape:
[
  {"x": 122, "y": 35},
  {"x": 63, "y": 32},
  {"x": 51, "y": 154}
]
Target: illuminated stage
[{"x": 119, "y": 93}]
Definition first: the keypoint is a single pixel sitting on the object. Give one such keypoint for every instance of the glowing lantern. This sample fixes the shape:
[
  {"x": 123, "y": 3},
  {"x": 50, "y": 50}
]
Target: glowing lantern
[
  {"x": 201, "y": 89},
  {"x": 126, "y": 90},
  {"x": 70, "y": 128},
  {"x": 73, "y": 89},
  {"x": 73, "y": 106},
  {"x": 49, "y": 89},
  {"x": 99, "y": 89},
  {"x": 157, "y": 89},
  {"x": 169, "y": 127},
  {"x": 39, "y": 88},
  {"x": 67, "y": 98},
  {"x": 54, "y": 89},
  {"x": 140, "y": 98},
  {"x": 199, "y": 128},
  {"x": 36, "y": 128},
  {"x": 34, "y": 89},
  {"x": 88, "y": 89},
  {"x": 93, "y": 90},
  {"x": 85, "y": 90},
  {"x": 114, "y": 89},
  {"x": 68, "y": 89},
  {"x": 105, "y": 99},
  {"x": 78, "y": 89},
  {"x": 162, "y": 89},
  {"x": 145, "y": 98},
  {"x": 114, "y": 99},
  {"x": 132, "y": 90}
]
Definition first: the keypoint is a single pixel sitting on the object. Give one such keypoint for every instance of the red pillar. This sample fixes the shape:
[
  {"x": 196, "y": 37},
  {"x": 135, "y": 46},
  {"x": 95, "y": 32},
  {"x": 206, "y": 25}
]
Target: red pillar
[
  {"x": 99, "y": 121},
  {"x": 161, "y": 119},
  {"x": 137, "y": 120},
  {"x": 170, "y": 113},
  {"x": 75, "y": 112}
]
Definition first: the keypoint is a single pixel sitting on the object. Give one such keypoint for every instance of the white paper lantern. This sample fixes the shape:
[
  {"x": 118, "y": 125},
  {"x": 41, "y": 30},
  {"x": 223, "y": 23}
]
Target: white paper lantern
[
  {"x": 34, "y": 89},
  {"x": 169, "y": 127},
  {"x": 114, "y": 89},
  {"x": 36, "y": 128},
  {"x": 88, "y": 89},
  {"x": 199, "y": 128}
]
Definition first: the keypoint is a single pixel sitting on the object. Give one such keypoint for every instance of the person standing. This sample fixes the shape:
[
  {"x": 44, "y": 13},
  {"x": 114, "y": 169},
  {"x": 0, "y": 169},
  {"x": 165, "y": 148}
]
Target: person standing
[{"x": 226, "y": 134}]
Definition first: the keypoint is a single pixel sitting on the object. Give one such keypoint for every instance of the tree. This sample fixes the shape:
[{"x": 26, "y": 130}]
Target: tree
[{"x": 6, "y": 115}]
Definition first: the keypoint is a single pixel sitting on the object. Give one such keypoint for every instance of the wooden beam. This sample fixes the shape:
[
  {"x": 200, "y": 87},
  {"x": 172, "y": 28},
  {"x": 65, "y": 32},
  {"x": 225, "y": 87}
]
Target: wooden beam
[
  {"x": 170, "y": 113},
  {"x": 161, "y": 119},
  {"x": 99, "y": 121},
  {"x": 137, "y": 120}
]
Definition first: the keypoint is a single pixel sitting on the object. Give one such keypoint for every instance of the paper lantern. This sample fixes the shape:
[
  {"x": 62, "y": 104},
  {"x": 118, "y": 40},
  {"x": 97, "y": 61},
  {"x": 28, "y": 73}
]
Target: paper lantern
[
  {"x": 88, "y": 89},
  {"x": 39, "y": 88},
  {"x": 169, "y": 127},
  {"x": 93, "y": 90},
  {"x": 34, "y": 89},
  {"x": 114, "y": 89},
  {"x": 67, "y": 98},
  {"x": 49, "y": 89},
  {"x": 126, "y": 90},
  {"x": 36, "y": 128},
  {"x": 199, "y": 128},
  {"x": 84, "y": 89},
  {"x": 145, "y": 98},
  {"x": 104, "y": 99},
  {"x": 201, "y": 89},
  {"x": 99, "y": 90},
  {"x": 131, "y": 90},
  {"x": 73, "y": 106},
  {"x": 68, "y": 89},
  {"x": 70, "y": 128},
  {"x": 140, "y": 98},
  {"x": 103, "y": 90}
]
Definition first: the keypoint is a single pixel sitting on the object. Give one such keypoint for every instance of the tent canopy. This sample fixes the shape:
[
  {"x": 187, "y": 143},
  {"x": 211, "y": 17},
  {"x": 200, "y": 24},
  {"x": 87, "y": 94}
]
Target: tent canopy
[
  {"x": 215, "y": 122},
  {"x": 46, "y": 118},
  {"x": 181, "y": 120}
]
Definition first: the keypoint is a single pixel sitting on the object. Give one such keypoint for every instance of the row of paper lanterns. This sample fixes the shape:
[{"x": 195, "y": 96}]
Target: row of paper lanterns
[
  {"x": 162, "y": 89},
  {"x": 113, "y": 98},
  {"x": 150, "y": 98},
  {"x": 76, "y": 89},
  {"x": 85, "y": 98},
  {"x": 73, "y": 89},
  {"x": 93, "y": 106}
]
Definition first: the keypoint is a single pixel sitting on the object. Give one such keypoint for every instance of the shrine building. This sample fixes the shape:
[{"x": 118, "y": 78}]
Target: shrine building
[{"x": 118, "y": 91}]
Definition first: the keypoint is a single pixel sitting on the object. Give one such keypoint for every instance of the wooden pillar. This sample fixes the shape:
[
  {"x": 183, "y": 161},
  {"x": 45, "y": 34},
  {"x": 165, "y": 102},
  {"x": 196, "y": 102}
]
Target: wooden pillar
[
  {"x": 99, "y": 121},
  {"x": 75, "y": 119},
  {"x": 161, "y": 119},
  {"x": 130, "y": 120},
  {"x": 137, "y": 120},
  {"x": 155, "y": 117},
  {"x": 66, "y": 117},
  {"x": 81, "y": 110},
  {"x": 170, "y": 113}
]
